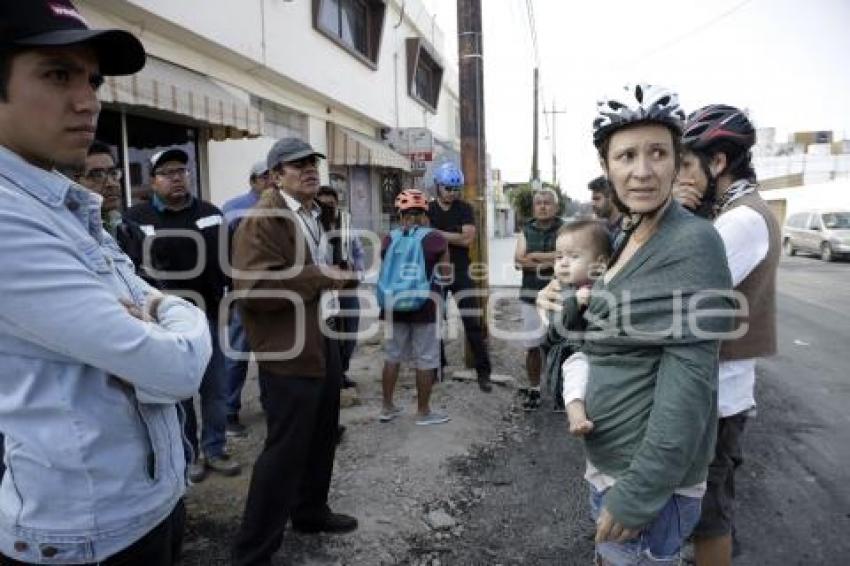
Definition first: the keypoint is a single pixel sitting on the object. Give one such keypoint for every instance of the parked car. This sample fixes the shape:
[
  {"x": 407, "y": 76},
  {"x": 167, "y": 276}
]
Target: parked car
[{"x": 826, "y": 233}]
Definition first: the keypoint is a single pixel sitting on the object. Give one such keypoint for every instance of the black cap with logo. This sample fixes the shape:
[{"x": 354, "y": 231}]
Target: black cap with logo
[
  {"x": 57, "y": 23},
  {"x": 166, "y": 155}
]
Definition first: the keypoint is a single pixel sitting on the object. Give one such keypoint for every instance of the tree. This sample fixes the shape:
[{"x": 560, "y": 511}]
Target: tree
[{"x": 521, "y": 196}]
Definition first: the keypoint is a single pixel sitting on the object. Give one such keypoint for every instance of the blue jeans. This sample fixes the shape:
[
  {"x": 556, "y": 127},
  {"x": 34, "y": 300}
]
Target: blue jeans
[
  {"x": 236, "y": 370},
  {"x": 659, "y": 542},
  {"x": 213, "y": 394}
]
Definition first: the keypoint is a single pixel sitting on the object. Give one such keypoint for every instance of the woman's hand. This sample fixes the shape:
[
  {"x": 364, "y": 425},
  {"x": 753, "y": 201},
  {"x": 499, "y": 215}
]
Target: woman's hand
[{"x": 608, "y": 529}]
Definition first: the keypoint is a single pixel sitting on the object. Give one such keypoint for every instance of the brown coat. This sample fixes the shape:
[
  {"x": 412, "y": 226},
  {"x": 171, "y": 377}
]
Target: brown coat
[
  {"x": 284, "y": 331},
  {"x": 759, "y": 287}
]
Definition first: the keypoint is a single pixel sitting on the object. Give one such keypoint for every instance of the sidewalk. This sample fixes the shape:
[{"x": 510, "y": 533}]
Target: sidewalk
[
  {"x": 396, "y": 477},
  {"x": 502, "y": 270}
]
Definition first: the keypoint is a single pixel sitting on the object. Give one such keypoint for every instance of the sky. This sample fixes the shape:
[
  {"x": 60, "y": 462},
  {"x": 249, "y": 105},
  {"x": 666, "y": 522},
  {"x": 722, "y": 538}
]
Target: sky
[{"x": 786, "y": 61}]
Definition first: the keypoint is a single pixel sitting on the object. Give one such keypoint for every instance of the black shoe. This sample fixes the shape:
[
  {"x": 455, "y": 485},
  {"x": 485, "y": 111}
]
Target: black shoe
[
  {"x": 331, "y": 523},
  {"x": 484, "y": 383},
  {"x": 532, "y": 403},
  {"x": 347, "y": 383},
  {"x": 558, "y": 404}
]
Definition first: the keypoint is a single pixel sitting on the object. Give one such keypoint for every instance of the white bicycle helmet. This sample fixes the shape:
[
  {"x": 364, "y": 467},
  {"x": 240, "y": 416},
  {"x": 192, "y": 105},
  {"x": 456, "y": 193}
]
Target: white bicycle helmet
[{"x": 637, "y": 103}]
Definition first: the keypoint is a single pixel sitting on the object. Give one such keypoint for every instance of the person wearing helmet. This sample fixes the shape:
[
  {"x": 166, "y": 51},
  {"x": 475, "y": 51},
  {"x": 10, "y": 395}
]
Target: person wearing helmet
[
  {"x": 650, "y": 345},
  {"x": 716, "y": 180},
  {"x": 414, "y": 337},
  {"x": 454, "y": 218}
]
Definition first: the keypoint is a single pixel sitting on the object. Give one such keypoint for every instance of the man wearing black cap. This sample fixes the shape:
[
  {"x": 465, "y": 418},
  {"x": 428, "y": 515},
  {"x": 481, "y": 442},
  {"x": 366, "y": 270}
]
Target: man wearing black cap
[
  {"x": 94, "y": 359},
  {"x": 173, "y": 259},
  {"x": 285, "y": 266}
]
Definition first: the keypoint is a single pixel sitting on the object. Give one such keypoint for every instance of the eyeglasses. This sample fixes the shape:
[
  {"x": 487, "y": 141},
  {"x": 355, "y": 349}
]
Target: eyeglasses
[
  {"x": 101, "y": 175},
  {"x": 171, "y": 173},
  {"x": 309, "y": 161}
]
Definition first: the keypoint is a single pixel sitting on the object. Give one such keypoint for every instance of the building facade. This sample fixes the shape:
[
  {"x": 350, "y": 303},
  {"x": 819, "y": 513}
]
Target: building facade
[{"x": 225, "y": 79}]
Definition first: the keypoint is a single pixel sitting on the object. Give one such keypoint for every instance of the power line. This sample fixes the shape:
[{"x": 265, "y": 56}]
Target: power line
[
  {"x": 532, "y": 28},
  {"x": 690, "y": 33}
]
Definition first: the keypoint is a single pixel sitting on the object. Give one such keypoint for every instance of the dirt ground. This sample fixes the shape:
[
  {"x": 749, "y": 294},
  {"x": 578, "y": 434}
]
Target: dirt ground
[{"x": 408, "y": 485}]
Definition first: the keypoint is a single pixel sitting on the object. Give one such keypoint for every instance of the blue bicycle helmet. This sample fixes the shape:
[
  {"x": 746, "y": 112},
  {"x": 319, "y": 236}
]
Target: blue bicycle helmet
[{"x": 448, "y": 175}]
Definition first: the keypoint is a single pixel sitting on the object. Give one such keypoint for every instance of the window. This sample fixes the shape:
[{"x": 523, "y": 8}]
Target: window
[
  {"x": 424, "y": 73},
  {"x": 797, "y": 220},
  {"x": 356, "y": 25}
]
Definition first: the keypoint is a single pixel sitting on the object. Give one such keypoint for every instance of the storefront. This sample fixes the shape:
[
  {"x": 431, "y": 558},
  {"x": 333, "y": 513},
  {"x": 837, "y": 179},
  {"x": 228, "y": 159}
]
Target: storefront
[
  {"x": 165, "y": 105},
  {"x": 368, "y": 176}
]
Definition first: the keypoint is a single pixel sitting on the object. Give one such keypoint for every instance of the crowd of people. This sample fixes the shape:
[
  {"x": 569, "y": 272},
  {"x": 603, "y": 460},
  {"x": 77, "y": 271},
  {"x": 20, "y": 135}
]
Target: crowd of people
[{"x": 645, "y": 323}]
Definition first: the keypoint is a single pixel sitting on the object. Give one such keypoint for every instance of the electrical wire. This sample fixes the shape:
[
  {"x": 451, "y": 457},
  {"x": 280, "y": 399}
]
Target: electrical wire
[{"x": 688, "y": 34}]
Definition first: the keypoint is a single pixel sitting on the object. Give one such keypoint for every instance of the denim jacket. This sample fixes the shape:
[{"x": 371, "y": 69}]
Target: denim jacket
[{"x": 94, "y": 448}]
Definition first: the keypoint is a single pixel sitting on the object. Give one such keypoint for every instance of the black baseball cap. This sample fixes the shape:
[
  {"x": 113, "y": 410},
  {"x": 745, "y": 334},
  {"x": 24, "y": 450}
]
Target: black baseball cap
[
  {"x": 287, "y": 150},
  {"x": 166, "y": 155},
  {"x": 57, "y": 23}
]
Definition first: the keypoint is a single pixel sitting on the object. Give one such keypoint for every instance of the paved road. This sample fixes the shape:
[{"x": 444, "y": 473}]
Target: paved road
[{"x": 794, "y": 488}]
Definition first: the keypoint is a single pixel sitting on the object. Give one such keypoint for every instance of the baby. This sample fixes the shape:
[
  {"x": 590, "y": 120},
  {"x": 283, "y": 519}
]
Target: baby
[{"x": 582, "y": 250}]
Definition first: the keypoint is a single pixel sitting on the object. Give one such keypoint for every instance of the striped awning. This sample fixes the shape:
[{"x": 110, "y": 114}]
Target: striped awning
[
  {"x": 165, "y": 86},
  {"x": 347, "y": 147}
]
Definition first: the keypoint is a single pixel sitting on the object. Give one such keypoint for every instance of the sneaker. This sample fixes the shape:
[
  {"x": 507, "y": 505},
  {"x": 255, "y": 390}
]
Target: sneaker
[
  {"x": 432, "y": 418},
  {"x": 223, "y": 465},
  {"x": 532, "y": 402},
  {"x": 388, "y": 415},
  {"x": 234, "y": 428},
  {"x": 197, "y": 471}
]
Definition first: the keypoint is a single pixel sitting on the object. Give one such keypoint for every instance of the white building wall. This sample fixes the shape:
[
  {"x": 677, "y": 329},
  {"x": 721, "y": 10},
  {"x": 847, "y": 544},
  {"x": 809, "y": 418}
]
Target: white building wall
[
  {"x": 274, "y": 42},
  {"x": 269, "y": 49},
  {"x": 835, "y": 195},
  {"x": 230, "y": 165}
]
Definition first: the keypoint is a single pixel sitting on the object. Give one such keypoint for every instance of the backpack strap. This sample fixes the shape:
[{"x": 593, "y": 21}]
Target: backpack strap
[{"x": 420, "y": 232}]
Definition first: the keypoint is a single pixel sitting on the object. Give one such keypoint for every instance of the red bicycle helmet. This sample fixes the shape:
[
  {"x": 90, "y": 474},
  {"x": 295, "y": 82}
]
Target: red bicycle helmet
[
  {"x": 411, "y": 199},
  {"x": 718, "y": 123}
]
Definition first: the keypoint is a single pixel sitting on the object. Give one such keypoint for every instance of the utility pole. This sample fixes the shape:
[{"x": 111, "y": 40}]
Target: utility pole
[
  {"x": 535, "y": 170},
  {"x": 554, "y": 112},
  {"x": 473, "y": 147}
]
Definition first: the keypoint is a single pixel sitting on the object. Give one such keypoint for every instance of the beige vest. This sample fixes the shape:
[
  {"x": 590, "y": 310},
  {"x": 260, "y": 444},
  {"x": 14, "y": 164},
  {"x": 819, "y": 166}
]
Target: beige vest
[{"x": 759, "y": 287}]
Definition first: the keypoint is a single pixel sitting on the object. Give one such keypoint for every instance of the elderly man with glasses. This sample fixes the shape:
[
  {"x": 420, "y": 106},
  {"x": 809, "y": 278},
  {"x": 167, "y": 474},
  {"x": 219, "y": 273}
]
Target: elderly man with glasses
[
  {"x": 285, "y": 267},
  {"x": 184, "y": 257}
]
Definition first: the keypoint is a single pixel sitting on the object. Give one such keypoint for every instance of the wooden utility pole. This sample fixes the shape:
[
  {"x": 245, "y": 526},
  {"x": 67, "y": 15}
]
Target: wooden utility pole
[
  {"x": 554, "y": 112},
  {"x": 473, "y": 149},
  {"x": 535, "y": 170}
]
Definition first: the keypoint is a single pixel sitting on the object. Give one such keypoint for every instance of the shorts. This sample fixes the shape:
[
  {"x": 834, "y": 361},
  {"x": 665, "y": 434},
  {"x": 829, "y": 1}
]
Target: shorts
[
  {"x": 533, "y": 331},
  {"x": 660, "y": 542},
  {"x": 413, "y": 343},
  {"x": 718, "y": 503}
]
